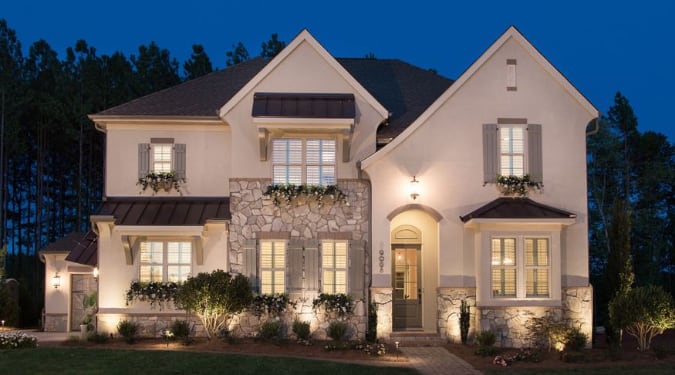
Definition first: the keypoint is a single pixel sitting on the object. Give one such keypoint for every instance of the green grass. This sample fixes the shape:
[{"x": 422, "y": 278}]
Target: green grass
[
  {"x": 64, "y": 361},
  {"x": 655, "y": 369}
]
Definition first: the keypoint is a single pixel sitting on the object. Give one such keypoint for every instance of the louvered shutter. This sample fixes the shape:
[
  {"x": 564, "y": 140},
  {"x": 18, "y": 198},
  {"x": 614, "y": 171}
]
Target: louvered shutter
[
  {"x": 294, "y": 265},
  {"x": 534, "y": 153},
  {"x": 490, "y": 153},
  {"x": 179, "y": 159},
  {"x": 143, "y": 159},
  {"x": 251, "y": 263},
  {"x": 312, "y": 265},
  {"x": 357, "y": 270}
]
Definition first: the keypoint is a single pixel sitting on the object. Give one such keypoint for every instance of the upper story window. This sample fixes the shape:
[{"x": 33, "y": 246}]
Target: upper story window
[
  {"x": 164, "y": 261},
  {"x": 520, "y": 267},
  {"x": 309, "y": 161},
  {"x": 161, "y": 155},
  {"x": 512, "y": 148}
]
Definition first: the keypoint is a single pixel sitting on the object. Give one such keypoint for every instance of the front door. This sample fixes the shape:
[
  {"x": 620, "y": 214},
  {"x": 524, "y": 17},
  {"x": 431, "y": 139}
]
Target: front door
[
  {"x": 407, "y": 288},
  {"x": 82, "y": 285}
]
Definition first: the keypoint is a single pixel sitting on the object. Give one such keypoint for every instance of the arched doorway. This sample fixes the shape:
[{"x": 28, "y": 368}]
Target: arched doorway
[{"x": 406, "y": 247}]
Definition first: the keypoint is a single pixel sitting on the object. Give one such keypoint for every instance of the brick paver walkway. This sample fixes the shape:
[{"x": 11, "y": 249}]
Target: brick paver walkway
[{"x": 437, "y": 361}]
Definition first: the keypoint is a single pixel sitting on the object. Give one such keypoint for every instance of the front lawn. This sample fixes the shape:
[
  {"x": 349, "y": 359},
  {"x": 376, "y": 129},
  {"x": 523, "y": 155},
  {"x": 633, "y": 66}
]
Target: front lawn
[{"x": 64, "y": 361}]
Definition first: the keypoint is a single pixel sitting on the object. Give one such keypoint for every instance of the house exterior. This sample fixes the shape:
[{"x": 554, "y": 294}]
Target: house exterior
[{"x": 422, "y": 224}]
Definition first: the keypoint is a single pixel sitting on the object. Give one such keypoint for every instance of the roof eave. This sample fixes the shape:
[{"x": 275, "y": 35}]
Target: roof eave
[{"x": 105, "y": 120}]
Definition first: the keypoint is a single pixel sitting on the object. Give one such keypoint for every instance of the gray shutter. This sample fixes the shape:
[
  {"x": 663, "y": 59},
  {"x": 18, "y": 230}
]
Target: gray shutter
[
  {"x": 490, "y": 153},
  {"x": 179, "y": 159},
  {"x": 312, "y": 265},
  {"x": 294, "y": 265},
  {"x": 251, "y": 263},
  {"x": 534, "y": 153},
  {"x": 357, "y": 269},
  {"x": 143, "y": 159}
]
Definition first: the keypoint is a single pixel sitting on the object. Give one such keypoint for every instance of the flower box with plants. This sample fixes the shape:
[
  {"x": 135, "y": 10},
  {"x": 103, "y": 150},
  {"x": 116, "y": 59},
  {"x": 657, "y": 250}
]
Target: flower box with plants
[
  {"x": 161, "y": 181},
  {"x": 156, "y": 293},
  {"x": 289, "y": 193},
  {"x": 517, "y": 185}
]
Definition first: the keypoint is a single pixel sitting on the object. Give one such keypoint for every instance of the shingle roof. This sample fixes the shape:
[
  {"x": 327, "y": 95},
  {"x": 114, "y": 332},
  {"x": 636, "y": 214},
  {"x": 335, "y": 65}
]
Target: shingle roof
[
  {"x": 166, "y": 211},
  {"x": 516, "y": 208},
  {"x": 81, "y": 247},
  {"x": 405, "y": 90}
]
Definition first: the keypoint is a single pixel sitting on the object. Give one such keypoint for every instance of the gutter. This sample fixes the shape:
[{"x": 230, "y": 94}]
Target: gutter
[{"x": 597, "y": 127}]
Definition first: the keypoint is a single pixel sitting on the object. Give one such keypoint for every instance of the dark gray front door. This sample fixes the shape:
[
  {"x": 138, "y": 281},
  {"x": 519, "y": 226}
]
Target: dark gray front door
[{"x": 407, "y": 288}]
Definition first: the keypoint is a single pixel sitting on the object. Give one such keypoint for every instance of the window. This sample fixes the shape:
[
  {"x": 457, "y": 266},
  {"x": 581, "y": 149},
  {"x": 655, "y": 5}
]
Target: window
[
  {"x": 161, "y": 156},
  {"x": 520, "y": 267},
  {"x": 163, "y": 261},
  {"x": 298, "y": 161},
  {"x": 536, "y": 267},
  {"x": 272, "y": 267},
  {"x": 334, "y": 267},
  {"x": 512, "y": 148},
  {"x": 512, "y": 151},
  {"x": 503, "y": 267}
]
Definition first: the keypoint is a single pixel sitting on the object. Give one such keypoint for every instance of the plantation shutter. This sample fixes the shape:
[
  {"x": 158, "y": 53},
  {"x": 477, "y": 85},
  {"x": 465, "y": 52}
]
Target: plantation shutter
[
  {"x": 143, "y": 159},
  {"x": 534, "y": 153},
  {"x": 357, "y": 269},
  {"x": 179, "y": 159},
  {"x": 490, "y": 153},
  {"x": 251, "y": 263},
  {"x": 294, "y": 265},
  {"x": 312, "y": 265}
]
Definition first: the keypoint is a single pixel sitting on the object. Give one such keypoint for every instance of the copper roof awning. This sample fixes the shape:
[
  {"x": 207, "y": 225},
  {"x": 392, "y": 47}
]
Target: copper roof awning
[
  {"x": 166, "y": 211},
  {"x": 304, "y": 105},
  {"x": 81, "y": 247},
  {"x": 517, "y": 208}
]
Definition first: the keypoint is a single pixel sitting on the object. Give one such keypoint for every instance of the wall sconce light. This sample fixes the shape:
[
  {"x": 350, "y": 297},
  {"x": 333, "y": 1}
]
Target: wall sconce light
[
  {"x": 414, "y": 188},
  {"x": 56, "y": 281},
  {"x": 95, "y": 273}
]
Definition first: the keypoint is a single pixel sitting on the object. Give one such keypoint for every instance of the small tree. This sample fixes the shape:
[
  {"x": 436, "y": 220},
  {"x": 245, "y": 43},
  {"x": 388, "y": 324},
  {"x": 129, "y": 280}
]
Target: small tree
[
  {"x": 214, "y": 297},
  {"x": 643, "y": 312}
]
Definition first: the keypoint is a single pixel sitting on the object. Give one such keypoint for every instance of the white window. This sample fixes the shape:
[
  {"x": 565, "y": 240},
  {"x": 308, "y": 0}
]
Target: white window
[
  {"x": 303, "y": 160},
  {"x": 512, "y": 151},
  {"x": 162, "y": 261},
  {"x": 334, "y": 267},
  {"x": 520, "y": 267},
  {"x": 161, "y": 158},
  {"x": 272, "y": 267}
]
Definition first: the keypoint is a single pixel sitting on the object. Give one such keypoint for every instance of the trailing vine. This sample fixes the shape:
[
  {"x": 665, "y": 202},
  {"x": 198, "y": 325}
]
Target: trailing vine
[
  {"x": 339, "y": 305},
  {"x": 516, "y": 185},
  {"x": 161, "y": 180},
  {"x": 156, "y": 293},
  {"x": 288, "y": 193}
]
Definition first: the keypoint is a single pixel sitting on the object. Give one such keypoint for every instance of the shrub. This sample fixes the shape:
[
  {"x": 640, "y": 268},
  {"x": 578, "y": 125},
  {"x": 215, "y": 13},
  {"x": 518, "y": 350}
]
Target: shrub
[
  {"x": 271, "y": 305},
  {"x": 128, "y": 330},
  {"x": 181, "y": 330},
  {"x": 371, "y": 330},
  {"x": 486, "y": 338},
  {"x": 644, "y": 312},
  {"x": 575, "y": 340},
  {"x": 464, "y": 321},
  {"x": 336, "y": 305},
  {"x": 301, "y": 329},
  {"x": 17, "y": 340},
  {"x": 9, "y": 304},
  {"x": 337, "y": 330},
  {"x": 270, "y": 330},
  {"x": 544, "y": 332},
  {"x": 214, "y": 297}
]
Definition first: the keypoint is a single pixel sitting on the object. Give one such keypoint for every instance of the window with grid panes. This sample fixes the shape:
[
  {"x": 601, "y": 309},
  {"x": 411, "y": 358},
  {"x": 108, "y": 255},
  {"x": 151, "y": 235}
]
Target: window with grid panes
[
  {"x": 303, "y": 161},
  {"x": 162, "y": 261},
  {"x": 512, "y": 151},
  {"x": 334, "y": 266},
  {"x": 161, "y": 157},
  {"x": 272, "y": 267},
  {"x": 537, "y": 267},
  {"x": 503, "y": 267}
]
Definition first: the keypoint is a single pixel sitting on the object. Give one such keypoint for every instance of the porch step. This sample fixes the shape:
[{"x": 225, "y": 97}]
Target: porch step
[{"x": 417, "y": 338}]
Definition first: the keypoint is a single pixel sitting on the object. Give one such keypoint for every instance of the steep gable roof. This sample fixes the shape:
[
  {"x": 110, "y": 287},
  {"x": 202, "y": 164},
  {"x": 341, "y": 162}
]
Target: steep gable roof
[{"x": 510, "y": 33}]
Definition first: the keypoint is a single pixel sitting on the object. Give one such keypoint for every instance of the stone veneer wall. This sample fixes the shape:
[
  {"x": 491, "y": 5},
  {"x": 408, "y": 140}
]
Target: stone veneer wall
[
  {"x": 55, "y": 322},
  {"x": 509, "y": 322},
  {"x": 449, "y": 302},
  {"x": 383, "y": 301},
  {"x": 252, "y": 212}
]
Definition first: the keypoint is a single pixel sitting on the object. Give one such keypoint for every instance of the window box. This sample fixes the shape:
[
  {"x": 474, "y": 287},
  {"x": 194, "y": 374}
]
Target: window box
[
  {"x": 289, "y": 193},
  {"x": 161, "y": 181},
  {"x": 515, "y": 185}
]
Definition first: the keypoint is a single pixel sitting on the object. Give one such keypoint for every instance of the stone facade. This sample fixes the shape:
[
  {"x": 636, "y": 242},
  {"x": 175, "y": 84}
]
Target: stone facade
[
  {"x": 383, "y": 301},
  {"x": 55, "y": 322},
  {"x": 509, "y": 323},
  {"x": 449, "y": 302}
]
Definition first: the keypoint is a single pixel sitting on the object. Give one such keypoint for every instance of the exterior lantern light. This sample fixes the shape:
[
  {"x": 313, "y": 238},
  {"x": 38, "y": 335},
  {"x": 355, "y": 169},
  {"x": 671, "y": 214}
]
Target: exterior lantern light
[
  {"x": 95, "y": 273},
  {"x": 56, "y": 281},
  {"x": 414, "y": 188}
]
